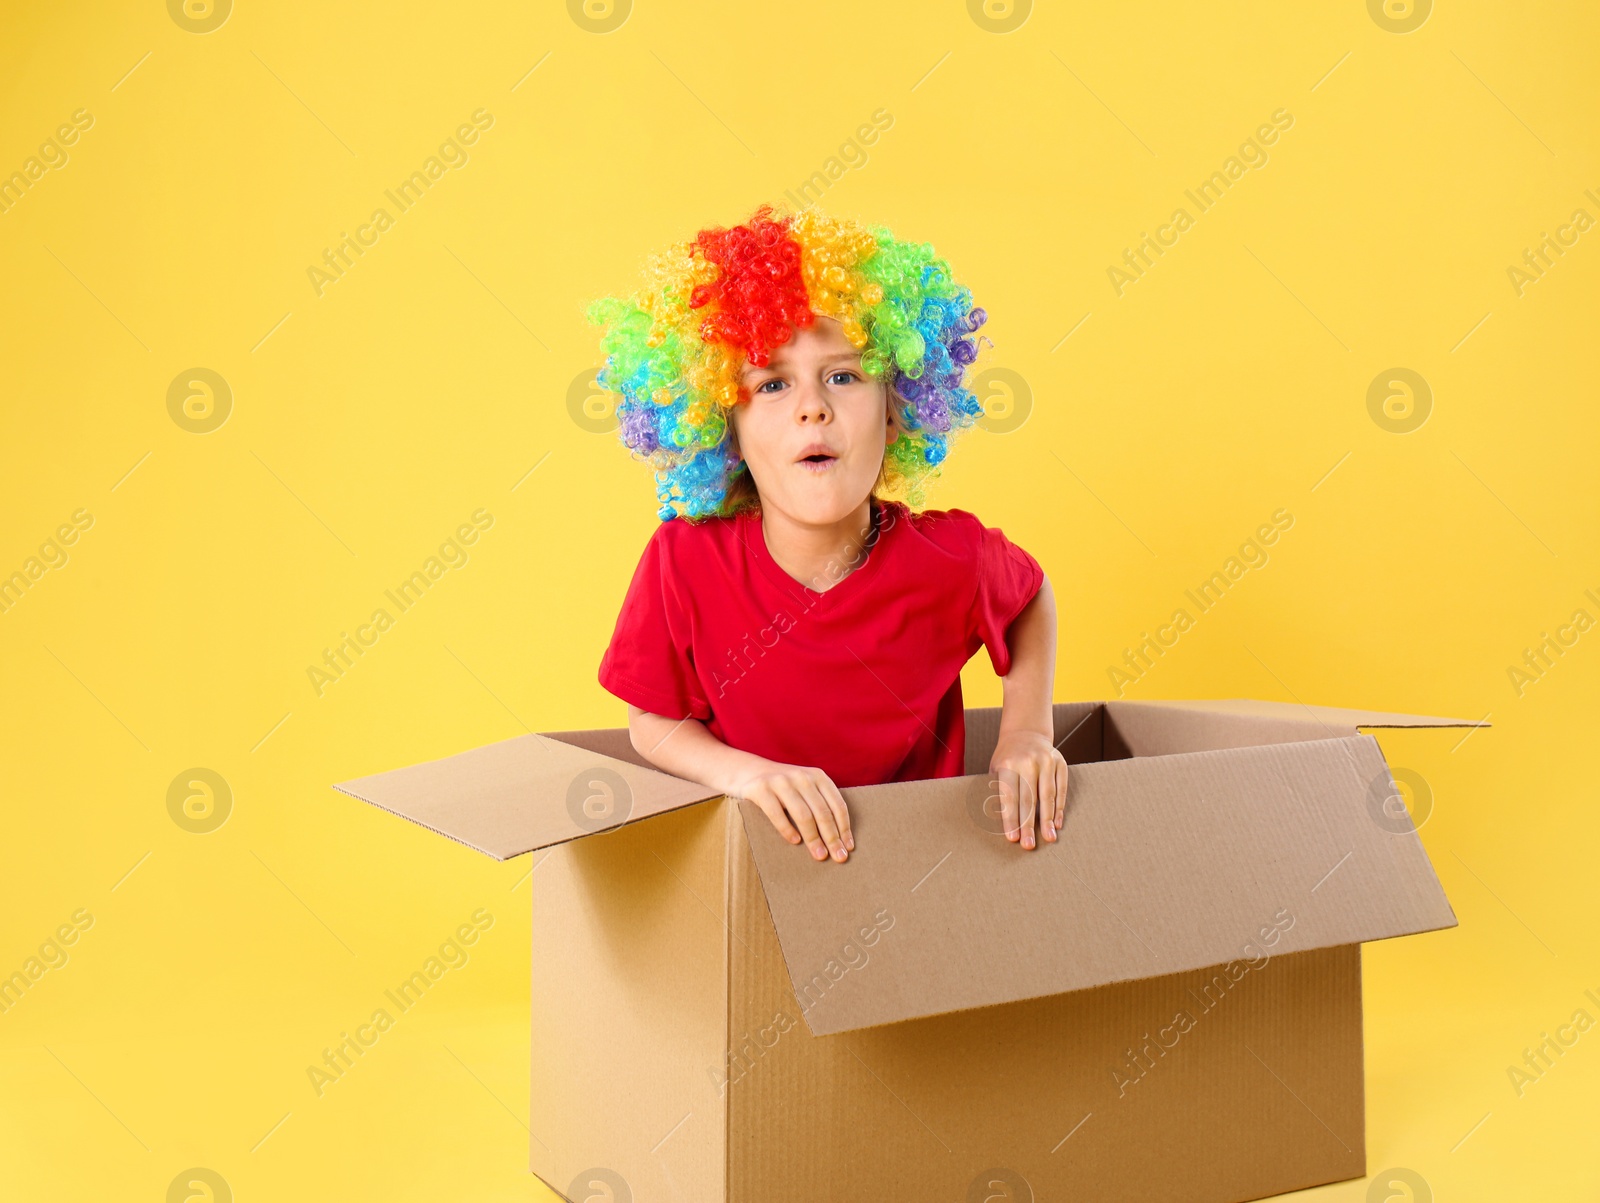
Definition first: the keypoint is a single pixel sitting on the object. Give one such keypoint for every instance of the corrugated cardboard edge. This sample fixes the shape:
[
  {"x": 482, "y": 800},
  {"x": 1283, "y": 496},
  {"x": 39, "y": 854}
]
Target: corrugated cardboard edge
[
  {"x": 636, "y": 768},
  {"x": 343, "y": 789}
]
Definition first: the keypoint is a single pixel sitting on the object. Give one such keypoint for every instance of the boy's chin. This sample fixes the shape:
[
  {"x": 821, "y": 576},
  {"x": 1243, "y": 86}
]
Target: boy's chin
[{"x": 817, "y": 507}]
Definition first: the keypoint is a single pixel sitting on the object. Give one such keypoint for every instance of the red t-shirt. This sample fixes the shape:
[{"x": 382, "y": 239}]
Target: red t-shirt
[{"x": 861, "y": 680}]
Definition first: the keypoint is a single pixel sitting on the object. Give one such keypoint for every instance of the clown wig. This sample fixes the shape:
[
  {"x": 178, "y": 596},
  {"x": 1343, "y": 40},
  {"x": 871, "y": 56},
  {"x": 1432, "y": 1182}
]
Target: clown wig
[{"x": 674, "y": 351}]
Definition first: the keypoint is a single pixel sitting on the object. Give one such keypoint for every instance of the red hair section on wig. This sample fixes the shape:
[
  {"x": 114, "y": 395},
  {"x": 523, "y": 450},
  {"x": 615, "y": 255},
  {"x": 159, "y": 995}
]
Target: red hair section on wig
[{"x": 758, "y": 292}]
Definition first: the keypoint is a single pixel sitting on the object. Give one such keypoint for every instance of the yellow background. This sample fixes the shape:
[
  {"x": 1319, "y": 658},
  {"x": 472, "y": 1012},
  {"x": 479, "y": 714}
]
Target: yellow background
[{"x": 369, "y": 422}]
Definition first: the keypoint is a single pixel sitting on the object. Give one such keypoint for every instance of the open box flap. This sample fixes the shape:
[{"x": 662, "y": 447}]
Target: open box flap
[
  {"x": 1165, "y": 864},
  {"x": 1332, "y": 716},
  {"x": 529, "y": 792},
  {"x": 524, "y": 794},
  {"x": 1161, "y": 728}
]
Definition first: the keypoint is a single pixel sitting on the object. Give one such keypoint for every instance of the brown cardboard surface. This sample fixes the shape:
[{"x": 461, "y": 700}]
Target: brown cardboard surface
[
  {"x": 718, "y": 1017},
  {"x": 1165, "y": 864},
  {"x": 522, "y": 794},
  {"x": 1163, "y": 728},
  {"x": 614, "y": 742},
  {"x": 526, "y": 793},
  {"x": 630, "y": 1008},
  {"x": 1331, "y": 716},
  {"x": 1078, "y": 727},
  {"x": 1089, "y": 1095}
]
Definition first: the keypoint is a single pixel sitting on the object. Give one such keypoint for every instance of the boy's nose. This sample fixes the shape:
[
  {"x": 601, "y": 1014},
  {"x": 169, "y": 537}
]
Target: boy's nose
[{"x": 809, "y": 404}]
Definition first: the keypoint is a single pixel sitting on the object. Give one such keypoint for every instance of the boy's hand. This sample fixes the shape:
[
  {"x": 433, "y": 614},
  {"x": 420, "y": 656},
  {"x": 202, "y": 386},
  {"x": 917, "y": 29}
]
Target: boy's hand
[
  {"x": 790, "y": 796},
  {"x": 1033, "y": 781},
  {"x": 793, "y": 797}
]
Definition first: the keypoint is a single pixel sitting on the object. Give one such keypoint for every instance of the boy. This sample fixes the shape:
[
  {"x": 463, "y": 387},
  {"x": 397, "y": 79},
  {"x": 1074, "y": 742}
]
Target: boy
[{"x": 796, "y": 631}]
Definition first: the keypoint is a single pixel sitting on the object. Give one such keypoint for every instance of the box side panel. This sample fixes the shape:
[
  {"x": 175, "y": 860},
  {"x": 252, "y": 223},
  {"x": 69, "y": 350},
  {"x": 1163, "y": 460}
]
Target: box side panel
[
  {"x": 629, "y": 1007},
  {"x": 1200, "y": 1087},
  {"x": 614, "y": 742},
  {"x": 1333, "y": 716},
  {"x": 1150, "y": 729},
  {"x": 1077, "y": 733}
]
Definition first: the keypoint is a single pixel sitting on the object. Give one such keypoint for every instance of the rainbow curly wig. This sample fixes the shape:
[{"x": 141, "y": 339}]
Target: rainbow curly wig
[{"x": 675, "y": 350}]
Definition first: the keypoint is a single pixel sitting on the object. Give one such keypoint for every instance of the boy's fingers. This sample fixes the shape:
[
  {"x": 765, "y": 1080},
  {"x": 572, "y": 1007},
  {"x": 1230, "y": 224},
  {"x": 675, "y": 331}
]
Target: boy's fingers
[
  {"x": 1047, "y": 801},
  {"x": 1062, "y": 776},
  {"x": 1008, "y": 802},
  {"x": 1029, "y": 783},
  {"x": 827, "y": 827},
  {"x": 773, "y": 809},
  {"x": 841, "y": 813},
  {"x": 801, "y": 814}
]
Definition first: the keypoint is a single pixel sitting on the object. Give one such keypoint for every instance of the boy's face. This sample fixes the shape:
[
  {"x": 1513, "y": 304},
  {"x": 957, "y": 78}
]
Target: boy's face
[{"x": 814, "y": 428}]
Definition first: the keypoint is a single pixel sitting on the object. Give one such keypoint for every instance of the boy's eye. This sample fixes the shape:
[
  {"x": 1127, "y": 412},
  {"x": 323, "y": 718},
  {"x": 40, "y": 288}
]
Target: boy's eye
[
  {"x": 846, "y": 373},
  {"x": 762, "y": 387}
]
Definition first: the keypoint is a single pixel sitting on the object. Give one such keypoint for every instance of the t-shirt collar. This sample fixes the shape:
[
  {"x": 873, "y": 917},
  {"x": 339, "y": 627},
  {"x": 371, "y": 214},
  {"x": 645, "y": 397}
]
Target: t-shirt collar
[{"x": 885, "y": 519}]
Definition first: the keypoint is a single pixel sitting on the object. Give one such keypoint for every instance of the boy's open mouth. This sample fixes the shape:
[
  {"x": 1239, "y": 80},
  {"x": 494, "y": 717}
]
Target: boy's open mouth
[{"x": 816, "y": 457}]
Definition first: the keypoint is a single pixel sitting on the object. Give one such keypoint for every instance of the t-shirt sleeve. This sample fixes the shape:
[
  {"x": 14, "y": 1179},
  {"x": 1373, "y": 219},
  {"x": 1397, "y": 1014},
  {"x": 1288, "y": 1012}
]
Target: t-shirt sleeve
[
  {"x": 650, "y": 660},
  {"x": 1008, "y": 579}
]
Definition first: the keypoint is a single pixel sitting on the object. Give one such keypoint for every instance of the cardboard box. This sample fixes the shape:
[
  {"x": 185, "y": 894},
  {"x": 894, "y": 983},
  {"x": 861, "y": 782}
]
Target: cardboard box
[{"x": 1165, "y": 1005}]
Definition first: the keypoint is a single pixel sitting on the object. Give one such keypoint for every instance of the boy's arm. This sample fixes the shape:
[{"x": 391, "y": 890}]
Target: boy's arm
[
  {"x": 791, "y": 796},
  {"x": 1031, "y": 770}
]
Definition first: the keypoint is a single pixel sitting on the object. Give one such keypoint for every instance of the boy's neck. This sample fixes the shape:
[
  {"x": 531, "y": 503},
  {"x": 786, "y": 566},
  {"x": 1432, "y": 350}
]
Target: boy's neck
[{"x": 819, "y": 557}]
